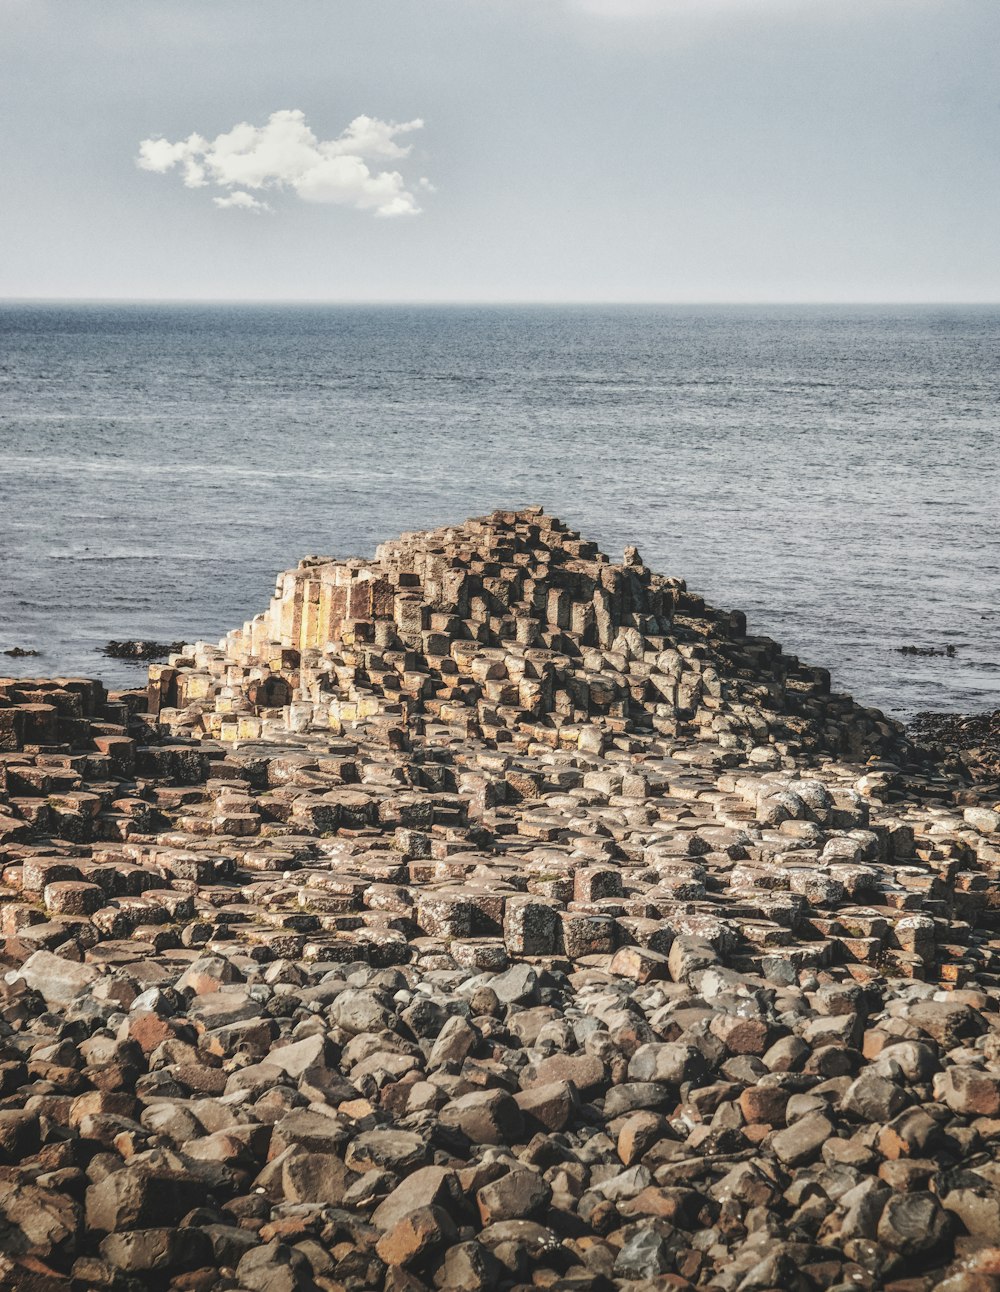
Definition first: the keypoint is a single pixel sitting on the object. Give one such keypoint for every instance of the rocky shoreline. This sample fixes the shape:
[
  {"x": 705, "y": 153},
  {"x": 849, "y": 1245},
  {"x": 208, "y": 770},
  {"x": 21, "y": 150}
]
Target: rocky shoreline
[
  {"x": 141, "y": 651},
  {"x": 967, "y": 743},
  {"x": 492, "y": 915}
]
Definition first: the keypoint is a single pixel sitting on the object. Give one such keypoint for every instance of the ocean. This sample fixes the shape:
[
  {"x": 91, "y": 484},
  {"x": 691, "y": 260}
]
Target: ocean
[{"x": 832, "y": 471}]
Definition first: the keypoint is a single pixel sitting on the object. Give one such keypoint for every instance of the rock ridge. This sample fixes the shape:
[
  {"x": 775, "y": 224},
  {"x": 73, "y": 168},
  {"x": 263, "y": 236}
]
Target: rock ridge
[{"x": 489, "y": 914}]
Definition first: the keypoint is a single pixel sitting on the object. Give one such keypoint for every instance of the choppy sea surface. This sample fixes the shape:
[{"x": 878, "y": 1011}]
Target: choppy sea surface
[{"x": 833, "y": 471}]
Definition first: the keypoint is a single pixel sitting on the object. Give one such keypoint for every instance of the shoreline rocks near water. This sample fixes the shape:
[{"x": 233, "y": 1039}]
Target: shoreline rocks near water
[
  {"x": 970, "y": 742},
  {"x": 491, "y": 915},
  {"x": 141, "y": 651},
  {"x": 945, "y": 652}
]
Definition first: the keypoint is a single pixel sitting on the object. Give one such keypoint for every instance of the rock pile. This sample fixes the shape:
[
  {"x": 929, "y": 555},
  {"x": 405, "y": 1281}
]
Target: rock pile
[
  {"x": 141, "y": 650},
  {"x": 967, "y": 743},
  {"x": 491, "y": 915}
]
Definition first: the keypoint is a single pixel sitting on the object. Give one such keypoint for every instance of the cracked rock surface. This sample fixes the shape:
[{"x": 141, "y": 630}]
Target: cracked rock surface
[{"x": 491, "y": 915}]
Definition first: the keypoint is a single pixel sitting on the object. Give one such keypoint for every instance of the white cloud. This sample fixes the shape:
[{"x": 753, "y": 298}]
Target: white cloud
[
  {"x": 286, "y": 154},
  {"x": 241, "y": 201}
]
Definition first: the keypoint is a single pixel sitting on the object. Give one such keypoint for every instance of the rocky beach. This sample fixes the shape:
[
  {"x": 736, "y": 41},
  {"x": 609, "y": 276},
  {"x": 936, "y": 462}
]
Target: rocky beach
[{"x": 492, "y": 914}]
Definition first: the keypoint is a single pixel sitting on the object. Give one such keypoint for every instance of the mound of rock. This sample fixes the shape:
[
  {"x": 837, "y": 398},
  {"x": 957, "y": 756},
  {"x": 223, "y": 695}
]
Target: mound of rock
[
  {"x": 507, "y": 629},
  {"x": 491, "y": 915}
]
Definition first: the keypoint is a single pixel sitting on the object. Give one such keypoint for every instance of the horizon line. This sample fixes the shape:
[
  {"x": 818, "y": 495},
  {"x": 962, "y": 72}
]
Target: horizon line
[{"x": 486, "y": 301}]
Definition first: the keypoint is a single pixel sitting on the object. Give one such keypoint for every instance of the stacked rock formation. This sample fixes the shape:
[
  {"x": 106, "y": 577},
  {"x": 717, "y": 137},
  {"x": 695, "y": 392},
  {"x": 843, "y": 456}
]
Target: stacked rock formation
[
  {"x": 509, "y": 628},
  {"x": 488, "y": 914}
]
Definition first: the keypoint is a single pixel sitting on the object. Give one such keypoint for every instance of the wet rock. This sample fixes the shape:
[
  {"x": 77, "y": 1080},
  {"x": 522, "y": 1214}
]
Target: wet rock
[
  {"x": 39, "y": 1221},
  {"x": 414, "y": 1237},
  {"x": 427, "y": 1186},
  {"x": 20, "y": 1135},
  {"x": 583, "y": 1071},
  {"x": 132, "y": 1198},
  {"x": 316, "y": 1178},
  {"x": 969, "y": 1091},
  {"x": 552, "y": 1105},
  {"x": 802, "y": 1141},
  {"x": 274, "y": 1267},
  {"x": 645, "y": 1255},
  {"x": 518, "y": 1195},
  {"x": 141, "y": 650},
  {"x": 914, "y": 1224},
  {"x": 397, "y": 1151},
  {"x": 871, "y": 1098},
  {"x": 977, "y": 1207},
  {"x": 517, "y": 984},
  {"x": 57, "y": 980},
  {"x": 486, "y": 1117},
  {"x": 143, "y": 1251},
  {"x": 468, "y": 1267},
  {"x": 357, "y": 1011},
  {"x": 912, "y": 1133}
]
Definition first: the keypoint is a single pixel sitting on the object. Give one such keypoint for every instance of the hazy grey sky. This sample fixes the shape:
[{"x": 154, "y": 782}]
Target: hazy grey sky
[{"x": 661, "y": 150}]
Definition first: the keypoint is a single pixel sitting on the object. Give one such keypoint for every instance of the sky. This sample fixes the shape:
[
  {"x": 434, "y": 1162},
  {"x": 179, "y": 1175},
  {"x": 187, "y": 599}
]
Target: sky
[{"x": 501, "y": 150}]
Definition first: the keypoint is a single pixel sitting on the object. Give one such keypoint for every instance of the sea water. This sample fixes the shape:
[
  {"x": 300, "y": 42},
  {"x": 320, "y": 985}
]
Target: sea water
[{"x": 832, "y": 471}]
